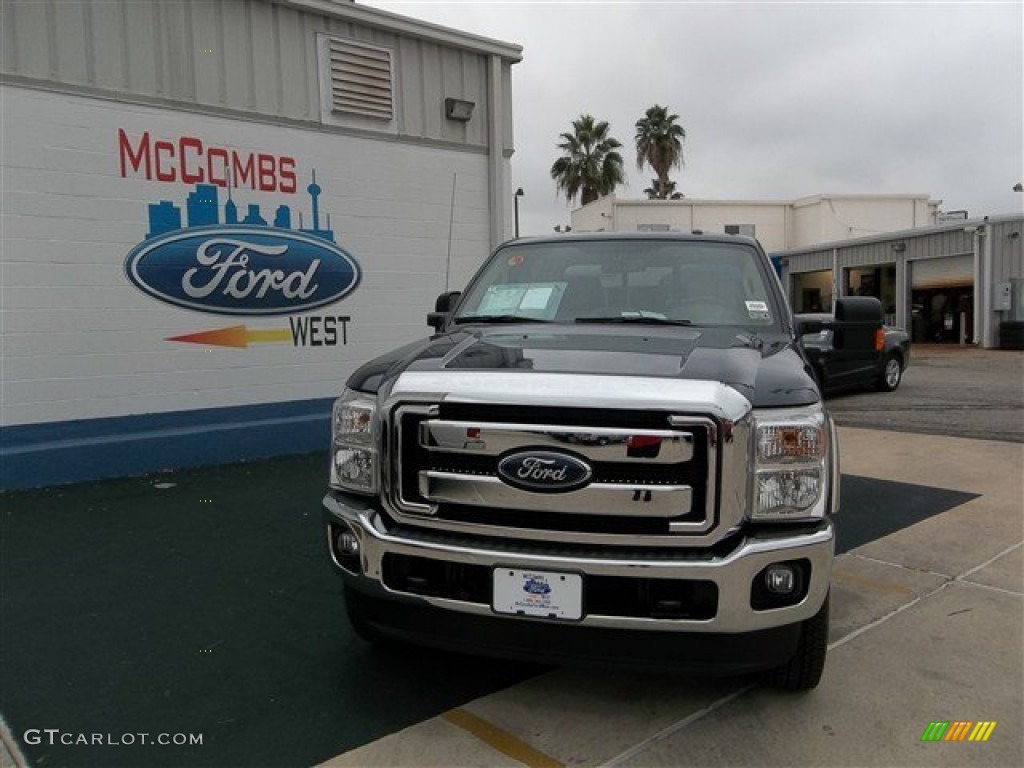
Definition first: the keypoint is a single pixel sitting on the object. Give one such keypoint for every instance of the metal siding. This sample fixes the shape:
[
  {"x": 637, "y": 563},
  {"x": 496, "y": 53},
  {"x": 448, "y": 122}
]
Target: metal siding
[
  {"x": 209, "y": 56},
  {"x": 265, "y": 60},
  {"x": 107, "y": 44},
  {"x": 1007, "y": 252},
  {"x": 179, "y": 52},
  {"x": 141, "y": 61},
  {"x": 430, "y": 68},
  {"x": 237, "y": 57},
  {"x": 296, "y": 64},
  {"x": 72, "y": 58},
  {"x": 30, "y": 25},
  {"x": 451, "y": 84},
  {"x": 9, "y": 44},
  {"x": 810, "y": 262},
  {"x": 474, "y": 75},
  {"x": 244, "y": 55}
]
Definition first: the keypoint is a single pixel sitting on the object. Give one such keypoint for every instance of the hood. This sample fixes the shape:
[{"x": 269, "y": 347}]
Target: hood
[{"x": 768, "y": 370}]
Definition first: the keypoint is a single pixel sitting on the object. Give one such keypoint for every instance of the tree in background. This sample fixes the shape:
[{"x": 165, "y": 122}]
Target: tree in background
[
  {"x": 659, "y": 144},
  {"x": 658, "y": 192},
  {"x": 589, "y": 166}
]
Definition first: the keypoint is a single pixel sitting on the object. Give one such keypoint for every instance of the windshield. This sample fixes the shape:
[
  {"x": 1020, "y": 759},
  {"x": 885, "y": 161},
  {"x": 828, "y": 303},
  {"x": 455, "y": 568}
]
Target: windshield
[{"x": 678, "y": 282}]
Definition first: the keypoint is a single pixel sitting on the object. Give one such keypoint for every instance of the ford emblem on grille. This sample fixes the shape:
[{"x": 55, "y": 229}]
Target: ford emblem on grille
[{"x": 544, "y": 471}]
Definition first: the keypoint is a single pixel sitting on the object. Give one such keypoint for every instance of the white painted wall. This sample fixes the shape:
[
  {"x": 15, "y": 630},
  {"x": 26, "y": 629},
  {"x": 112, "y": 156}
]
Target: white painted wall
[
  {"x": 78, "y": 340},
  {"x": 779, "y": 225}
]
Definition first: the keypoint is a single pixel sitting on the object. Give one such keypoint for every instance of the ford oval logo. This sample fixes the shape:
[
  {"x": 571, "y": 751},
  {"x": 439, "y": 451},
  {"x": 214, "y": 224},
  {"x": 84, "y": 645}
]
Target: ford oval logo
[
  {"x": 544, "y": 471},
  {"x": 242, "y": 270}
]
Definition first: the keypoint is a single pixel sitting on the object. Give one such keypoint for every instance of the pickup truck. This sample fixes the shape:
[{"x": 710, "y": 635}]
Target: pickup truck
[
  {"x": 878, "y": 362},
  {"x": 613, "y": 449}
]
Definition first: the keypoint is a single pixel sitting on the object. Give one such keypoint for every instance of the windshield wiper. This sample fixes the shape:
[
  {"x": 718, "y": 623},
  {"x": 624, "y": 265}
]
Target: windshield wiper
[
  {"x": 498, "y": 319},
  {"x": 643, "y": 319}
]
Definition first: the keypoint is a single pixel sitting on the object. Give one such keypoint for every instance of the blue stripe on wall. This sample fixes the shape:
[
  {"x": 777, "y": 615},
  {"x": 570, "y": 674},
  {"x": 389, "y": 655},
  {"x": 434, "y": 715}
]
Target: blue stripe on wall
[{"x": 37, "y": 455}]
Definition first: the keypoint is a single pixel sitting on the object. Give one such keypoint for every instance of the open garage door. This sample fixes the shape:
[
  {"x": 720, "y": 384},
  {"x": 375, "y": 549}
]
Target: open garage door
[
  {"x": 948, "y": 272},
  {"x": 942, "y": 296}
]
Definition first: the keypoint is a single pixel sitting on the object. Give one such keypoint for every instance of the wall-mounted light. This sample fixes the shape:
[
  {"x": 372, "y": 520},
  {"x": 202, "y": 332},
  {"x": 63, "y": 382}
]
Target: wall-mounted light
[
  {"x": 899, "y": 247},
  {"x": 458, "y": 109}
]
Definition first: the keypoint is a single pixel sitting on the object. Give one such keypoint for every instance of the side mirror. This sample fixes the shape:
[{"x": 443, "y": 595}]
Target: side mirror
[
  {"x": 858, "y": 324},
  {"x": 443, "y": 307},
  {"x": 804, "y": 326}
]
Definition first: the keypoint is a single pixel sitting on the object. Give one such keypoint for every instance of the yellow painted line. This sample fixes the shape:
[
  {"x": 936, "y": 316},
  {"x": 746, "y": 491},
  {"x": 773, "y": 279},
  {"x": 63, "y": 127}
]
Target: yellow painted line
[
  {"x": 499, "y": 739},
  {"x": 880, "y": 586}
]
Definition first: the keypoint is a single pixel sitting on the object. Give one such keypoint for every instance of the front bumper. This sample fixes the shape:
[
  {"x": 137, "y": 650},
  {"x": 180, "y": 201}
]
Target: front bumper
[{"x": 733, "y": 571}]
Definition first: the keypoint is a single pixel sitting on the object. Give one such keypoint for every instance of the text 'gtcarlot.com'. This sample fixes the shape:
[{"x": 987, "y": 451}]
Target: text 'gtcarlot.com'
[{"x": 53, "y": 736}]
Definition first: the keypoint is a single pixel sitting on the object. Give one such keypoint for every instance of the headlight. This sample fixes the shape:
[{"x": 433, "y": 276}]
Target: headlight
[
  {"x": 354, "y": 461},
  {"x": 791, "y": 467}
]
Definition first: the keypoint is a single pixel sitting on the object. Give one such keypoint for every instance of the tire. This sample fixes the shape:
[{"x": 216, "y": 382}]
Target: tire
[
  {"x": 891, "y": 375},
  {"x": 803, "y": 671}
]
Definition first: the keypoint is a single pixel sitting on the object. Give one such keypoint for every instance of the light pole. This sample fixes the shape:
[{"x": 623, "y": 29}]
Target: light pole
[{"x": 515, "y": 200}]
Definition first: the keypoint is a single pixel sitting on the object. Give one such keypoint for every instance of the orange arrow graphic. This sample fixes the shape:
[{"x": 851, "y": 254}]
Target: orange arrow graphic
[{"x": 236, "y": 336}]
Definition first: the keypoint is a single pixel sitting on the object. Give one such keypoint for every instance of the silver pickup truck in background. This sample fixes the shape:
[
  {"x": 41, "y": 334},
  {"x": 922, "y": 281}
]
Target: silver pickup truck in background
[{"x": 613, "y": 449}]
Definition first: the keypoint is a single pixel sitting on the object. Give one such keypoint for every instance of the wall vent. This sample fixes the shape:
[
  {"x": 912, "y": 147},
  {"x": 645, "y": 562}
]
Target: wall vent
[{"x": 361, "y": 79}]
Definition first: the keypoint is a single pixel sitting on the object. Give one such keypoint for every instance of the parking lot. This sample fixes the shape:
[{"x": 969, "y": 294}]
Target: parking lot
[{"x": 200, "y": 603}]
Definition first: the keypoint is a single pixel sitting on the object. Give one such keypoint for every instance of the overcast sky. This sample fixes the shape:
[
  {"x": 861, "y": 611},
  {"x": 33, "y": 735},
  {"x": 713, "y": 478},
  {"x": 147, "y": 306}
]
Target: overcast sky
[{"x": 779, "y": 100}]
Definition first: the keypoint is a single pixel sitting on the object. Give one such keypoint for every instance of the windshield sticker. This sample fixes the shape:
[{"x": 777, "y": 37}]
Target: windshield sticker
[
  {"x": 515, "y": 260},
  {"x": 539, "y": 300},
  {"x": 758, "y": 310}
]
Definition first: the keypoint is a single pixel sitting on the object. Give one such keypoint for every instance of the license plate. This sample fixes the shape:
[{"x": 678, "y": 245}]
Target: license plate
[{"x": 538, "y": 593}]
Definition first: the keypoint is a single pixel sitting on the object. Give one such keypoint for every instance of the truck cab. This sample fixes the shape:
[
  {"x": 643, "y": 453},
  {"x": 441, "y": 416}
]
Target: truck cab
[{"x": 612, "y": 449}]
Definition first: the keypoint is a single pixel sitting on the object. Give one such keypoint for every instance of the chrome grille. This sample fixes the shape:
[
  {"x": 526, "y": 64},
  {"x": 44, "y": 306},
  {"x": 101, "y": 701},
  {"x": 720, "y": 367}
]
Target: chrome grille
[{"x": 653, "y": 480}]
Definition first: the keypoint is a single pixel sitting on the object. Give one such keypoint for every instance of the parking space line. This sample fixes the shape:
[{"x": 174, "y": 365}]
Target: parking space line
[
  {"x": 991, "y": 560},
  {"x": 979, "y": 585},
  {"x": 880, "y": 586},
  {"x": 501, "y": 740}
]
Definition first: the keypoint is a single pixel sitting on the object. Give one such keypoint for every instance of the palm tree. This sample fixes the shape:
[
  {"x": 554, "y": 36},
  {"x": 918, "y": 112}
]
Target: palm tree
[
  {"x": 659, "y": 144},
  {"x": 659, "y": 191},
  {"x": 590, "y": 166}
]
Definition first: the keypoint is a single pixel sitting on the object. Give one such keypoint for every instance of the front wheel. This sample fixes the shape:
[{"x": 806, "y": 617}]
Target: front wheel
[
  {"x": 803, "y": 671},
  {"x": 892, "y": 373}
]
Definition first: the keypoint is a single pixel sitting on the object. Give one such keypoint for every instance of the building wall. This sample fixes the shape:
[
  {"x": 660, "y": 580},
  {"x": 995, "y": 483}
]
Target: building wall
[
  {"x": 989, "y": 244},
  {"x": 133, "y": 340},
  {"x": 828, "y": 218},
  {"x": 249, "y": 57},
  {"x": 778, "y": 225}
]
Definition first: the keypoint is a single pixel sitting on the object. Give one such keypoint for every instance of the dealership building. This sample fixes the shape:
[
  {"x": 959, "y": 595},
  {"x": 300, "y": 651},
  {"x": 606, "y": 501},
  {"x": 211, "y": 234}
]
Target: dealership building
[
  {"x": 956, "y": 282},
  {"x": 941, "y": 276},
  {"x": 214, "y": 211}
]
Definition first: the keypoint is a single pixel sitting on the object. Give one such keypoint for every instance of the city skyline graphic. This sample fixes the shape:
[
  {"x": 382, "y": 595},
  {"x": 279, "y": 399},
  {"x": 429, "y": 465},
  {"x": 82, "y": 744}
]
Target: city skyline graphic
[{"x": 202, "y": 209}]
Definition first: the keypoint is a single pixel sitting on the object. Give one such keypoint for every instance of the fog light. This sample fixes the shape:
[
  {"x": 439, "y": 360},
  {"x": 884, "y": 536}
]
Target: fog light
[
  {"x": 780, "y": 579},
  {"x": 347, "y": 544}
]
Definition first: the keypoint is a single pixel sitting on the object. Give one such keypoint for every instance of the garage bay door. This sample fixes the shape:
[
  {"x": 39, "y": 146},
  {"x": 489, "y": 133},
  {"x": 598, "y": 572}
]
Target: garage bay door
[{"x": 947, "y": 272}]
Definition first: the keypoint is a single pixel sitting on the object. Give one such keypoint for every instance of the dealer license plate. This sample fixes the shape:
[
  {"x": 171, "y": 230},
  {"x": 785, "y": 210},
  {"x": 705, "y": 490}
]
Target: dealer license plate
[{"x": 538, "y": 593}]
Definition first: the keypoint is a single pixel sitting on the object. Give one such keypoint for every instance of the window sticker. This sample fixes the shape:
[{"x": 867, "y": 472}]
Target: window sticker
[
  {"x": 539, "y": 300},
  {"x": 515, "y": 260},
  {"x": 758, "y": 310}
]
